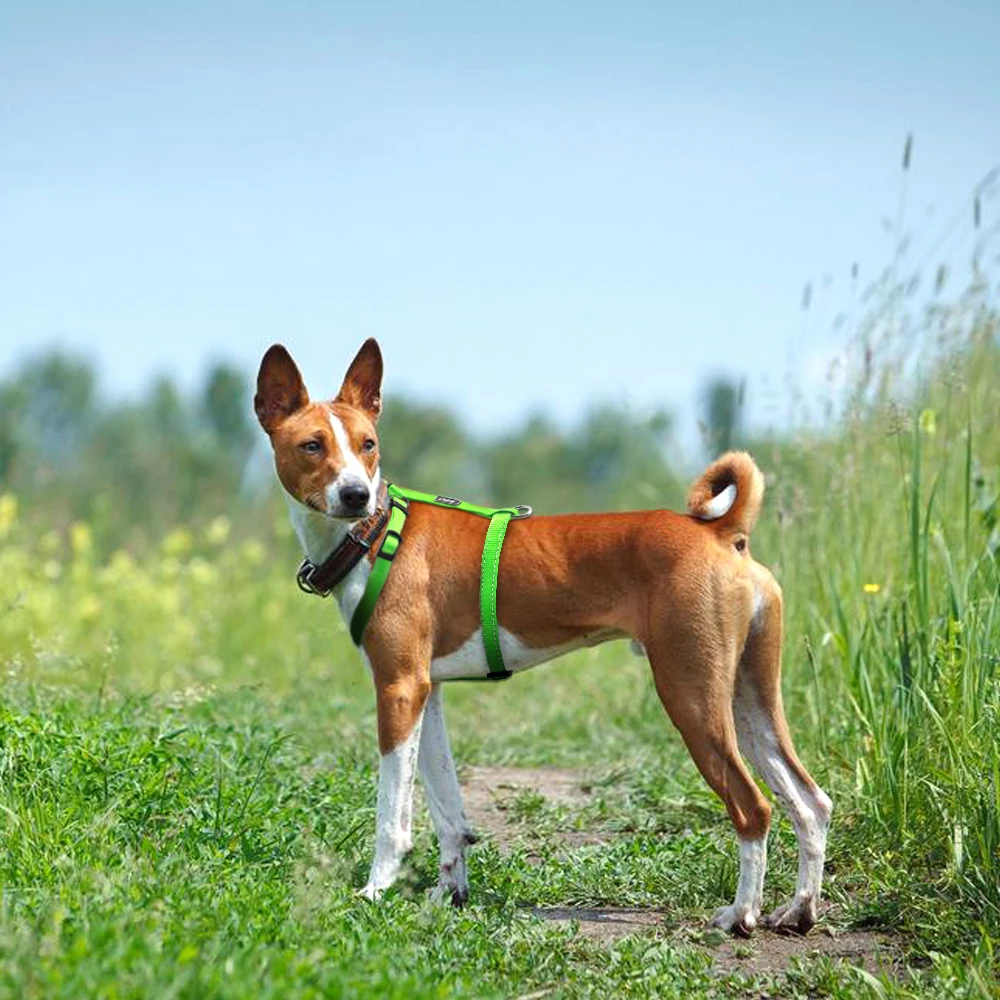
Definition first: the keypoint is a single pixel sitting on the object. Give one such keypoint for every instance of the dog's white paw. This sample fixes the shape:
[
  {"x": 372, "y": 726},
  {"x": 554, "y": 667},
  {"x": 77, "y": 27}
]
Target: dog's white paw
[
  {"x": 371, "y": 892},
  {"x": 450, "y": 895},
  {"x": 453, "y": 884},
  {"x": 738, "y": 920},
  {"x": 795, "y": 917}
]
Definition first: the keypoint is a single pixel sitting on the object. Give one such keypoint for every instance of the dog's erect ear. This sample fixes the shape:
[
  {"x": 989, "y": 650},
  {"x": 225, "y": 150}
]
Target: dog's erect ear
[
  {"x": 362, "y": 386},
  {"x": 280, "y": 389}
]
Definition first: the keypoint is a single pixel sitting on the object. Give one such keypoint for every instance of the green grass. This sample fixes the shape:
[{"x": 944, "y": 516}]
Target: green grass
[
  {"x": 188, "y": 761},
  {"x": 212, "y": 846},
  {"x": 206, "y": 849}
]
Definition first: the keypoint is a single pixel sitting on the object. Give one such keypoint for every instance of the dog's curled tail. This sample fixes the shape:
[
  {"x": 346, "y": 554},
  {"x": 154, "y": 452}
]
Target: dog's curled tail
[{"x": 728, "y": 493}]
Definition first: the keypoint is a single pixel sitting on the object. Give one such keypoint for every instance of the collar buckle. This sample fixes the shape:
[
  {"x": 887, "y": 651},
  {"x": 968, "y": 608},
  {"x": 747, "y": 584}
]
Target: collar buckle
[{"x": 304, "y": 578}]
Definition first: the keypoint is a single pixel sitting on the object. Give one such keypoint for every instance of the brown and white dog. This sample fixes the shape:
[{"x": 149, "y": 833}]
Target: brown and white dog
[{"x": 684, "y": 587}]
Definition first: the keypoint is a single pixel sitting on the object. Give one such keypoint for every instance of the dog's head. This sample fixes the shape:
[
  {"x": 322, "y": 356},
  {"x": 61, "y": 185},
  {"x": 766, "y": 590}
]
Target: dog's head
[{"x": 326, "y": 454}]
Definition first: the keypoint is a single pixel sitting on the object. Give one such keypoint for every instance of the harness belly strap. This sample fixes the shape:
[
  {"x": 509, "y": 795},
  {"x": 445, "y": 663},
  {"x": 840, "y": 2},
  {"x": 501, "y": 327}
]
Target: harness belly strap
[
  {"x": 399, "y": 500},
  {"x": 488, "y": 580}
]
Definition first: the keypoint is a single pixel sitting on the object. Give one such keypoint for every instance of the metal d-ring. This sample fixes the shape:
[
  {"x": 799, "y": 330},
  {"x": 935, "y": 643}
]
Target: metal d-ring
[{"x": 523, "y": 510}]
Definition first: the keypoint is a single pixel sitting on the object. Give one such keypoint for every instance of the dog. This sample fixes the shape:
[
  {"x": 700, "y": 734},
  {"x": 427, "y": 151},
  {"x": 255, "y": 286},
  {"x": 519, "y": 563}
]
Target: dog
[{"x": 684, "y": 588}]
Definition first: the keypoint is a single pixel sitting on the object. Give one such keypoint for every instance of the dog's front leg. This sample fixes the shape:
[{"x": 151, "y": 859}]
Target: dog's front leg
[{"x": 400, "y": 712}]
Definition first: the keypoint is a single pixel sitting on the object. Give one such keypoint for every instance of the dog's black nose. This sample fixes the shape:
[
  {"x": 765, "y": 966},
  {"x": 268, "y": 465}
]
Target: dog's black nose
[{"x": 354, "y": 496}]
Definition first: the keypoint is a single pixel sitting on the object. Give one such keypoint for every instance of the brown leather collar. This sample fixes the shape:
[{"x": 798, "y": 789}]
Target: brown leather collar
[{"x": 321, "y": 579}]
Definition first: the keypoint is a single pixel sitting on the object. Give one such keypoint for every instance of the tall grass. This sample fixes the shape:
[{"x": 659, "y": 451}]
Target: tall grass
[{"x": 888, "y": 554}]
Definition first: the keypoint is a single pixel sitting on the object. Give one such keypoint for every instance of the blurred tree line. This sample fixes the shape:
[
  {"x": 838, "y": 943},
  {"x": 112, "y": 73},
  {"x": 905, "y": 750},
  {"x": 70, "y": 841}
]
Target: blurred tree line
[{"x": 135, "y": 469}]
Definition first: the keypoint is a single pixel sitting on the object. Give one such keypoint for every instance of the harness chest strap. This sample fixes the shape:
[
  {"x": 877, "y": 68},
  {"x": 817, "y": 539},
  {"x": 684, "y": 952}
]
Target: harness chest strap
[
  {"x": 399, "y": 500},
  {"x": 380, "y": 566}
]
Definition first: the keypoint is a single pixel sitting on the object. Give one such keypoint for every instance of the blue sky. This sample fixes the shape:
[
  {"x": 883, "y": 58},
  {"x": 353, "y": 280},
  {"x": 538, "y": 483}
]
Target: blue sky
[{"x": 531, "y": 205}]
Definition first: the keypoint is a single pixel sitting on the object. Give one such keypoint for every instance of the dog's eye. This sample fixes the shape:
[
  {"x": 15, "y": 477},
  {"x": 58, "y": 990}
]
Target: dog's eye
[
  {"x": 369, "y": 446},
  {"x": 312, "y": 447}
]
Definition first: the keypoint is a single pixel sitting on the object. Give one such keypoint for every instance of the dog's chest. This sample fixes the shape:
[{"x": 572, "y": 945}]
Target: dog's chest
[{"x": 351, "y": 589}]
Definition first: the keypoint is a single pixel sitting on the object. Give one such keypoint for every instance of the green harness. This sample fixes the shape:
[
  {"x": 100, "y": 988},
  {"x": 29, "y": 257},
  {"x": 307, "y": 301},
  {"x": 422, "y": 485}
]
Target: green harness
[{"x": 399, "y": 501}]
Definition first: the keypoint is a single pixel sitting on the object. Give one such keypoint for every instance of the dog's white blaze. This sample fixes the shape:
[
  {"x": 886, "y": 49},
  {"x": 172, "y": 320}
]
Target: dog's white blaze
[
  {"x": 351, "y": 459},
  {"x": 469, "y": 660},
  {"x": 393, "y": 813},
  {"x": 353, "y": 471},
  {"x": 808, "y": 808},
  {"x": 719, "y": 504},
  {"x": 444, "y": 799}
]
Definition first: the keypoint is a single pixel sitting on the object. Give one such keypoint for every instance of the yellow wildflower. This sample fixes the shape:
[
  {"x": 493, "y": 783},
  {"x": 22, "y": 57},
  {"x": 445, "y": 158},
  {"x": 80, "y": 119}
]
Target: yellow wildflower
[
  {"x": 177, "y": 543},
  {"x": 89, "y": 608},
  {"x": 218, "y": 531},
  {"x": 122, "y": 562},
  {"x": 202, "y": 571},
  {"x": 170, "y": 601},
  {"x": 81, "y": 538},
  {"x": 872, "y": 588},
  {"x": 252, "y": 552},
  {"x": 8, "y": 513}
]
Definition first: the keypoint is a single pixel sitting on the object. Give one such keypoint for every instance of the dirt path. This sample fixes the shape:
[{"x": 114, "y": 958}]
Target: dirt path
[
  {"x": 490, "y": 793},
  {"x": 768, "y": 953}
]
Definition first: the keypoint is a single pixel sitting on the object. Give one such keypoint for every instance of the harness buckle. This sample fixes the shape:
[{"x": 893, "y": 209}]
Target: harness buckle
[
  {"x": 390, "y": 545},
  {"x": 523, "y": 511}
]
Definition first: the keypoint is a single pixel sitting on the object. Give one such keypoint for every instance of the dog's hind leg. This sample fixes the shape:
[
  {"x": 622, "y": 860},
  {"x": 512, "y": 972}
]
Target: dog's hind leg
[
  {"x": 765, "y": 739},
  {"x": 444, "y": 800},
  {"x": 697, "y": 695}
]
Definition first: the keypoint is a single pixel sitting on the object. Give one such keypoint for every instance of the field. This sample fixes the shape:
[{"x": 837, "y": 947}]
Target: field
[{"x": 188, "y": 761}]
